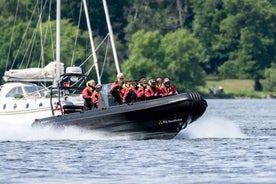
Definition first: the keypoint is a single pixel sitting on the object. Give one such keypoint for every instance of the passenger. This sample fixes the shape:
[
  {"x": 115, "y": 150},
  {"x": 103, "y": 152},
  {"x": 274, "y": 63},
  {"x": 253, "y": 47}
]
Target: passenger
[
  {"x": 168, "y": 88},
  {"x": 149, "y": 93},
  {"x": 134, "y": 88},
  {"x": 127, "y": 92},
  {"x": 96, "y": 96},
  {"x": 159, "y": 82},
  {"x": 156, "y": 90},
  {"x": 116, "y": 88},
  {"x": 159, "y": 85},
  {"x": 139, "y": 90},
  {"x": 87, "y": 93}
]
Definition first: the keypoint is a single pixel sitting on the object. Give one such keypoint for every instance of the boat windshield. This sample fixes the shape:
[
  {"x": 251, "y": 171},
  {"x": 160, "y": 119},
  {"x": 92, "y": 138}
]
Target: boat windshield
[
  {"x": 34, "y": 91},
  {"x": 15, "y": 91}
]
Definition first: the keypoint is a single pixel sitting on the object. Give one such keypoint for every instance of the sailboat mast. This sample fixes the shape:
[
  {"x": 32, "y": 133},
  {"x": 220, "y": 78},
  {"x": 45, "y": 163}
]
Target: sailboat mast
[
  {"x": 92, "y": 42},
  {"x": 58, "y": 40},
  {"x": 111, "y": 36}
]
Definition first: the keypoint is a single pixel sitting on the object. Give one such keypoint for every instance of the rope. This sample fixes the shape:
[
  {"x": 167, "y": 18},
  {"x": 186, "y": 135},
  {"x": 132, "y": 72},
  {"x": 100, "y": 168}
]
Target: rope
[
  {"x": 105, "y": 56},
  {"x": 11, "y": 40},
  {"x": 24, "y": 35},
  {"x": 76, "y": 40}
]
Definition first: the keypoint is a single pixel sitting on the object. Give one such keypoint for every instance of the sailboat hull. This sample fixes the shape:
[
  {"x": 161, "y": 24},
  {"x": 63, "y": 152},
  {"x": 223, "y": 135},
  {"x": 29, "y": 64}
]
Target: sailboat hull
[{"x": 161, "y": 118}]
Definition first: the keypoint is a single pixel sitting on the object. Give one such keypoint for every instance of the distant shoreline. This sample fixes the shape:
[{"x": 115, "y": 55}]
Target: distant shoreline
[{"x": 230, "y": 96}]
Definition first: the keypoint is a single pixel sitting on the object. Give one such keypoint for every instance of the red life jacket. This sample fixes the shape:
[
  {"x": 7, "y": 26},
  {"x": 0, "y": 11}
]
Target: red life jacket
[
  {"x": 149, "y": 92},
  {"x": 125, "y": 91},
  {"x": 119, "y": 91},
  {"x": 95, "y": 97},
  {"x": 170, "y": 90},
  {"x": 139, "y": 92},
  {"x": 87, "y": 92}
]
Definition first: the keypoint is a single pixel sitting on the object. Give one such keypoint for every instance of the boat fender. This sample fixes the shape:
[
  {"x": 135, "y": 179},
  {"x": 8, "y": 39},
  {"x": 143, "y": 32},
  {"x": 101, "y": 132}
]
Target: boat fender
[{"x": 57, "y": 109}]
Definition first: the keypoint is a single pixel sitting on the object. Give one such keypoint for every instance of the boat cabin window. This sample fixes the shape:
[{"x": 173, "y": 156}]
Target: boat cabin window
[
  {"x": 34, "y": 91},
  {"x": 15, "y": 91}
]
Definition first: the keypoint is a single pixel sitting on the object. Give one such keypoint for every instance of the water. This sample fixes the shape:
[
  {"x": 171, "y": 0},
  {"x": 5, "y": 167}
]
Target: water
[{"x": 234, "y": 142}]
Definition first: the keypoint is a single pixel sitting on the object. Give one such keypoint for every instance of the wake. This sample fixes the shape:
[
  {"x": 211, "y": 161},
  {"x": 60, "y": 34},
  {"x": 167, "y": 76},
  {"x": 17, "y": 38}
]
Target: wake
[
  {"x": 211, "y": 127},
  {"x": 24, "y": 132}
]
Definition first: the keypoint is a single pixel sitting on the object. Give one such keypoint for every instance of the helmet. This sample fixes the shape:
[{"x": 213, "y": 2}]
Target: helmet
[
  {"x": 152, "y": 82},
  {"x": 98, "y": 86},
  {"x": 166, "y": 80},
  {"x": 90, "y": 83},
  {"x": 159, "y": 79}
]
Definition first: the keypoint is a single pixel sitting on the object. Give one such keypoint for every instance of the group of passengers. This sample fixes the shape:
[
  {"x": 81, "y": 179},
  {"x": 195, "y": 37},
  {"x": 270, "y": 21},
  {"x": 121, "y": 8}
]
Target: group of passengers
[{"x": 127, "y": 91}]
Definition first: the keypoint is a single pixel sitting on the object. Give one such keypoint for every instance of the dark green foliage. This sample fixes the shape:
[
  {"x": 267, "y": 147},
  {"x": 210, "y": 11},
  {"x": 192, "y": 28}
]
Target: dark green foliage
[
  {"x": 228, "y": 38},
  {"x": 270, "y": 78},
  {"x": 239, "y": 36},
  {"x": 176, "y": 55}
]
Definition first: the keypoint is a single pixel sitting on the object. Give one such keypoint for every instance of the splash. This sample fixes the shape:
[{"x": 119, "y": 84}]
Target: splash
[
  {"x": 212, "y": 127},
  {"x": 25, "y": 132}
]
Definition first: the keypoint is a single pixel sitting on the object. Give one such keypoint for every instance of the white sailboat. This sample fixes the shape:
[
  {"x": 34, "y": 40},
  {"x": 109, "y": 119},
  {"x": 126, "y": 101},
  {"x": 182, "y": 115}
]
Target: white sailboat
[{"x": 24, "y": 101}]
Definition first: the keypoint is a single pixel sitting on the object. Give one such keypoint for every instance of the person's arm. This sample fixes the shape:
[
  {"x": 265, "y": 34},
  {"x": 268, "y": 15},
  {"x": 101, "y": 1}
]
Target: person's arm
[
  {"x": 95, "y": 98},
  {"x": 113, "y": 87},
  {"x": 149, "y": 92},
  {"x": 140, "y": 92},
  {"x": 174, "y": 91},
  {"x": 164, "y": 91}
]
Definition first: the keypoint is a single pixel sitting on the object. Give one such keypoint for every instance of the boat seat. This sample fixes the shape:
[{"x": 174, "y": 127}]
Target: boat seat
[{"x": 67, "y": 109}]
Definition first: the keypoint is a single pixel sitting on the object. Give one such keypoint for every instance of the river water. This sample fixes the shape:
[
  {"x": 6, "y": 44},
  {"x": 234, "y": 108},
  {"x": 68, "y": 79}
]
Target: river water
[{"x": 233, "y": 142}]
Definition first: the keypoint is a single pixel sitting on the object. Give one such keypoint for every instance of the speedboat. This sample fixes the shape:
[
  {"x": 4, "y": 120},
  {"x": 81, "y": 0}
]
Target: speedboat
[{"x": 161, "y": 118}]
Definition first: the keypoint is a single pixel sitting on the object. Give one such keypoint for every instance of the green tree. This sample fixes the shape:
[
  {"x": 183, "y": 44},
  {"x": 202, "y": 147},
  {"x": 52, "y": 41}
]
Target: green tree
[
  {"x": 176, "y": 55},
  {"x": 144, "y": 59},
  {"x": 270, "y": 78},
  {"x": 248, "y": 34},
  {"x": 182, "y": 55},
  {"x": 153, "y": 15},
  {"x": 208, "y": 15},
  {"x": 239, "y": 32}
]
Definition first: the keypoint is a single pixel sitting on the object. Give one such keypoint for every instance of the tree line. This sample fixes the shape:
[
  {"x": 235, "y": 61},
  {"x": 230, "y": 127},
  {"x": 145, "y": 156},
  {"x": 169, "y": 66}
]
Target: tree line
[{"x": 184, "y": 40}]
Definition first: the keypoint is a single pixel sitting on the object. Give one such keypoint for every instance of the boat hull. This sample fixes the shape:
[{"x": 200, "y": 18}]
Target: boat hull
[{"x": 160, "y": 118}]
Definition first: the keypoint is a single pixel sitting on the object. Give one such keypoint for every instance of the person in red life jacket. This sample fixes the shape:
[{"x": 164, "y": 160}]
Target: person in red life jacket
[
  {"x": 87, "y": 93},
  {"x": 66, "y": 84},
  {"x": 116, "y": 88},
  {"x": 156, "y": 90},
  {"x": 149, "y": 93},
  {"x": 127, "y": 92},
  {"x": 159, "y": 85},
  {"x": 139, "y": 89},
  {"x": 168, "y": 88},
  {"x": 96, "y": 96}
]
